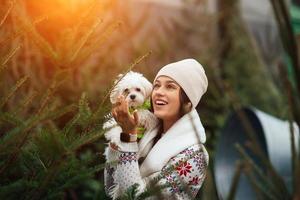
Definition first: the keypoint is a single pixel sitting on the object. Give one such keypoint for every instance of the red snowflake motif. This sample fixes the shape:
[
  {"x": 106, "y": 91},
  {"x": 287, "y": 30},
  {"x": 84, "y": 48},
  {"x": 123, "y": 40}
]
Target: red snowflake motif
[
  {"x": 194, "y": 181},
  {"x": 184, "y": 168}
]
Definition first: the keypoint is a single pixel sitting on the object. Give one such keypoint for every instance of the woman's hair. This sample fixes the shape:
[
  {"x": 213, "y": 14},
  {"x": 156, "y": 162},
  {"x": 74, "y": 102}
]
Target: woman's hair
[{"x": 185, "y": 103}]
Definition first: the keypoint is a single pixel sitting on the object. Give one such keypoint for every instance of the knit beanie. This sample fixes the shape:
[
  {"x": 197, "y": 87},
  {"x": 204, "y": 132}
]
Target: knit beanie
[{"x": 190, "y": 76}]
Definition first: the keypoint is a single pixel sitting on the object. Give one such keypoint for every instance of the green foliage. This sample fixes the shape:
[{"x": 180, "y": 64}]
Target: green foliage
[{"x": 241, "y": 65}]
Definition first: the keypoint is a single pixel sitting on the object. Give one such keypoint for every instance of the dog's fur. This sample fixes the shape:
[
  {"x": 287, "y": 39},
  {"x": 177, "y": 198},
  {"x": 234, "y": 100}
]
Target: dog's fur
[{"x": 136, "y": 89}]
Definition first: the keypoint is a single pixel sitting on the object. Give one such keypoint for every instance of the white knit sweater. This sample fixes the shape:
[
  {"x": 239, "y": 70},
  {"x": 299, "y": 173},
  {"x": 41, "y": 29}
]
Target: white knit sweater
[{"x": 178, "y": 161}]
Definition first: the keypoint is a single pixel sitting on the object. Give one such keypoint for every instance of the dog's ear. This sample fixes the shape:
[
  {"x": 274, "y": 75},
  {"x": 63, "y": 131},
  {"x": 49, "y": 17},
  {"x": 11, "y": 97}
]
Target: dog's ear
[
  {"x": 147, "y": 86},
  {"x": 114, "y": 94},
  {"x": 118, "y": 78}
]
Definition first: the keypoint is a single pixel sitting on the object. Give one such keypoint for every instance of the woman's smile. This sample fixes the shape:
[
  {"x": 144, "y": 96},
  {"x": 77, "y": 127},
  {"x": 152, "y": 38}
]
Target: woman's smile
[{"x": 160, "y": 102}]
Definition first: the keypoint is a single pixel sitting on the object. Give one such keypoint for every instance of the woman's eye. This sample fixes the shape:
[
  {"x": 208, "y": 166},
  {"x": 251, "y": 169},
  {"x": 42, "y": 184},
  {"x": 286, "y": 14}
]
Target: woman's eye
[
  {"x": 171, "y": 87},
  {"x": 155, "y": 86}
]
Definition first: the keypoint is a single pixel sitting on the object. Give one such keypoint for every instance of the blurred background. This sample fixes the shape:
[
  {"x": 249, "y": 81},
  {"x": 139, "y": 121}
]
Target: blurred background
[{"x": 58, "y": 61}]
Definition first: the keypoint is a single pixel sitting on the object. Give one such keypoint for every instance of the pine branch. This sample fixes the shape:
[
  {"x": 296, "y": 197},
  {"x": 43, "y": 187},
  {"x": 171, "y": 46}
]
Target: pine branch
[
  {"x": 12, "y": 91},
  {"x": 8, "y": 57},
  {"x": 84, "y": 39},
  {"x": 84, "y": 109},
  {"x": 84, "y": 17},
  {"x": 235, "y": 180},
  {"x": 30, "y": 30},
  {"x": 290, "y": 45},
  {"x": 51, "y": 174},
  {"x": 10, "y": 118},
  {"x": 13, "y": 190},
  {"x": 260, "y": 188},
  {"x": 54, "y": 114},
  {"x": 255, "y": 147},
  {"x": 287, "y": 35},
  {"x": 87, "y": 138},
  {"x": 22, "y": 30},
  {"x": 11, "y": 2},
  {"x": 25, "y": 103},
  {"x": 272, "y": 184},
  {"x": 67, "y": 129},
  {"x": 50, "y": 92},
  {"x": 294, "y": 157},
  {"x": 85, "y": 53},
  {"x": 19, "y": 135}
]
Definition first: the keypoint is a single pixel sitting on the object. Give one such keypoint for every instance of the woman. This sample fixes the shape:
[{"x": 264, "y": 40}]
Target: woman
[{"x": 172, "y": 153}]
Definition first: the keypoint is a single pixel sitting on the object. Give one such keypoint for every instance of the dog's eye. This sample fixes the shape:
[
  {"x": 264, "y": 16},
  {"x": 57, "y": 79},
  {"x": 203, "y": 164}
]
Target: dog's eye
[
  {"x": 126, "y": 90},
  {"x": 138, "y": 89}
]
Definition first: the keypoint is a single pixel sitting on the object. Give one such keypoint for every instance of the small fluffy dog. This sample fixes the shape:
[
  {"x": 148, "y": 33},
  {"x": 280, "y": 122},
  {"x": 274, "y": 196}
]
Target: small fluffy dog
[{"x": 136, "y": 89}]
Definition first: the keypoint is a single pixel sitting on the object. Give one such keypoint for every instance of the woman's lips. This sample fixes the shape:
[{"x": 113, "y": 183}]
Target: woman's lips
[{"x": 160, "y": 102}]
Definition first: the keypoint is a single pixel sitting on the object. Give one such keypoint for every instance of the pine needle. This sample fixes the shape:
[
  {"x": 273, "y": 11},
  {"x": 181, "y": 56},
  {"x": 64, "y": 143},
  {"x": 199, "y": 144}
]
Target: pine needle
[
  {"x": 273, "y": 185},
  {"x": 93, "y": 136},
  {"x": 260, "y": 188},
  {"x": 13, "y": 90},
  {"x": 98, "y": 41},
  {"x": 235, "y": 180},
  {"x": 22, "y": 30},
  {"x": 85, "y": 39},
  {"x": 7, "y": 12},
  {"x": 8, "y": 57},
  {"x": 10, "y": 118},
  {"x": 71, "y": 124},
  {"x": 11, "y": 54},
  {"x": 49, "y": 93},
  {"x": 25, "y": 103}
]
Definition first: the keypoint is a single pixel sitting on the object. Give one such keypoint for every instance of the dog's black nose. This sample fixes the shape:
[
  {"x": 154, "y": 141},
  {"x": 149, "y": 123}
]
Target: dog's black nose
[{"x": 132, "y": 96}]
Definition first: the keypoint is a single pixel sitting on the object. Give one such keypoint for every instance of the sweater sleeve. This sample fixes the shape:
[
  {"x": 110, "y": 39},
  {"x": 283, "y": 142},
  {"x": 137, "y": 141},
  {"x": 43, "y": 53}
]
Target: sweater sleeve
[
  {"x": 114, "y": 160},
  {"x": 181, "y": 178}
]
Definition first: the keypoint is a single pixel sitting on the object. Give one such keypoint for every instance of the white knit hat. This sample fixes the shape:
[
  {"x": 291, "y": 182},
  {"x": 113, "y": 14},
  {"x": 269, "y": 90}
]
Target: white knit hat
[{"x": 190, "y": 75}]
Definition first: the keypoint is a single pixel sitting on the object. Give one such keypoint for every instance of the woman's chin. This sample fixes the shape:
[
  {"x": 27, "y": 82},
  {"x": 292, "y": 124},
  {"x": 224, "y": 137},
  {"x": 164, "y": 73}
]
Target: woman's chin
[{"x": 159, "y": 114}]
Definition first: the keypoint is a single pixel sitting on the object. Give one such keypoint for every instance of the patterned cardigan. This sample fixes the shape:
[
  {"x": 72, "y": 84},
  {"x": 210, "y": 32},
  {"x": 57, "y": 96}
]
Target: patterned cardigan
[{"x": 178, "y": 164}]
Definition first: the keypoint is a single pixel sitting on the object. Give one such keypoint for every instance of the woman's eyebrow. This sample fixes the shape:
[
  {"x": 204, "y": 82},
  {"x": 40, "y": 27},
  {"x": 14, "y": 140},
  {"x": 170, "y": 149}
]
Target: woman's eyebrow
[
  {"x": 172, "y": 82},
  {"x": 167, "y": 82}
]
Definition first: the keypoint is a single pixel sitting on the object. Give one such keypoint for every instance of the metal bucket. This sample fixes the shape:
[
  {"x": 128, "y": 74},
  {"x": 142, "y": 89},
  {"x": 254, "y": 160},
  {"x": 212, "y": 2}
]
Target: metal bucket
[{"x": 273, "y": 136}]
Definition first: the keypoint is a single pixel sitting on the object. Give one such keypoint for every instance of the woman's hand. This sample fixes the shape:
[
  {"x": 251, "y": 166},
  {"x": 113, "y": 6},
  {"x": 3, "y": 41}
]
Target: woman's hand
[{"x": 127, "y": 121}]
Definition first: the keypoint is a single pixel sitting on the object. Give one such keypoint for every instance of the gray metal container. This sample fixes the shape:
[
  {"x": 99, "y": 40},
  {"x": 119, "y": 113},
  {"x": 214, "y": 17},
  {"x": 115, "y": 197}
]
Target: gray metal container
[{"x": 273, "y": 136}]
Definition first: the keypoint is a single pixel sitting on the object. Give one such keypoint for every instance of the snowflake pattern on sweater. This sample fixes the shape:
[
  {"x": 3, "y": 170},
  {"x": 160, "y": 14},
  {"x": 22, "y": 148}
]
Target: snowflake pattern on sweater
[{"x": 183, "y": 175}]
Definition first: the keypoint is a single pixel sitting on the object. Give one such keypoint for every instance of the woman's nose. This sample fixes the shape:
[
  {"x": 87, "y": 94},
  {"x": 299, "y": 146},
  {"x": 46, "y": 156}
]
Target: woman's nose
[{"x": 159, "y": 91}]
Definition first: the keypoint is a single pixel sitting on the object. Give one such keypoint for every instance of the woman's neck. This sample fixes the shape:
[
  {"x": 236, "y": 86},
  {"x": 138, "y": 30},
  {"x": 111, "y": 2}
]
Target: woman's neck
[{"x": 167, "y": 124}]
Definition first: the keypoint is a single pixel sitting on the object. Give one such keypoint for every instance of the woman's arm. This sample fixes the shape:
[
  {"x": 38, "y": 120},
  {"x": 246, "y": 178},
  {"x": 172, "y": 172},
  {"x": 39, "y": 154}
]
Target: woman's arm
[
  {"x": 128, "y": 124},
  {"x": 122, "y": 169}
]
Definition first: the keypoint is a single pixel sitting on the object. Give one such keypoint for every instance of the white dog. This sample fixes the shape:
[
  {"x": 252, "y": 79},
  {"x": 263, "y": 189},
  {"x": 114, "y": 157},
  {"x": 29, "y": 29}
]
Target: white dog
[{"x": 136, "y": 89}]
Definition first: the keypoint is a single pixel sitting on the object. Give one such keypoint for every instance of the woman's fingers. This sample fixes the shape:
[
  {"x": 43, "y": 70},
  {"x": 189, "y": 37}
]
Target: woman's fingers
[
  {"x": 121, "y": 114},
  {"x": 120, "y": 110},
  {"x": 123, "y": 107},
  {"x": 136, "y": 117},
  {"x": 114, "y": 113}
]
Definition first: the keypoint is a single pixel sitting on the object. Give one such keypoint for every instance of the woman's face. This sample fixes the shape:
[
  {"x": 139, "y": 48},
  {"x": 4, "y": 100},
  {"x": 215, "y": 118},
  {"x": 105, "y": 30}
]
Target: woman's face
[{"x": 165, "y": 98}]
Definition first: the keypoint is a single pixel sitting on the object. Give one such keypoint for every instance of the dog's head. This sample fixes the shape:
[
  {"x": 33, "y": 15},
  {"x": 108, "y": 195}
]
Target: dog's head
[{"x": 134, "y": 86}]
